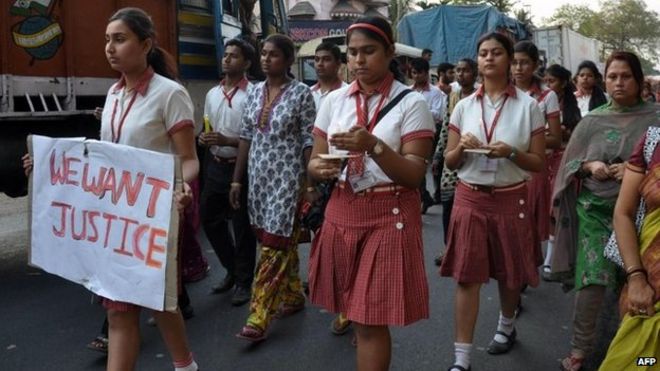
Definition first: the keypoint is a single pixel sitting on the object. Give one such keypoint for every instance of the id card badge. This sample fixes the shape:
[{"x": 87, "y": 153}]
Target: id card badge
[
  {"x": 361, "y": 182},
  {"x": 487, "y": 165}
]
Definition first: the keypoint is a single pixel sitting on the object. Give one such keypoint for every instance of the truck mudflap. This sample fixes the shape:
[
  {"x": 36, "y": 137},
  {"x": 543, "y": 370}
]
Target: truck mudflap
[{"x": 13, "y": 181}]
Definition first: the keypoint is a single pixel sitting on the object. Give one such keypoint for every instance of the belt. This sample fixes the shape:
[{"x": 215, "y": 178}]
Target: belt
[
  {"x": 224, "y": 160},
  {"x": 492, "y": 189},
  {"x": 375, "y": 189}
]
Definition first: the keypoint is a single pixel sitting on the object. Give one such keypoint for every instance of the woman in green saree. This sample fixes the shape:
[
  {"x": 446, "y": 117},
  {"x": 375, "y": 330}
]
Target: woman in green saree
[
  {"x": 586, "y": 189},
  {"x": 639, "y": 334}
]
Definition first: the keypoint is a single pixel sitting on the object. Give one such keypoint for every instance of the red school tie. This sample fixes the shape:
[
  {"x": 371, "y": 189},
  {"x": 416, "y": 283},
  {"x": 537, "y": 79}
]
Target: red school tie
[{"x": 356, "y": 164}]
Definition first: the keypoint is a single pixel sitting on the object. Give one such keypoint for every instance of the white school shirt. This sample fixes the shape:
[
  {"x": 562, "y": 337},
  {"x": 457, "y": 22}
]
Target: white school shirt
[
  {"x": 520, "y": 119},
  {"x": 161, "y": 108},
  {"x": 547, "y": 100},
  {"x": 456, "y": 87},
  {"x": 436, "y": 99},
  {"x": 319, "y": 95},
  {"x": 224, "y": 119},
  {"x": 410, "y": 119},
  {"x": 583, "y": 102}
]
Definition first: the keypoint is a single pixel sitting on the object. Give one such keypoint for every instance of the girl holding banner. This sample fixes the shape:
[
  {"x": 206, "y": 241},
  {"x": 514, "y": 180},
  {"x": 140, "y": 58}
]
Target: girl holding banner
[{"x": 146, "y": 109}]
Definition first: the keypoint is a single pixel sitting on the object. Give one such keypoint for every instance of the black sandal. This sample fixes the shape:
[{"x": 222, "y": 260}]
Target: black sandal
[{"x": 99, "y": 344}]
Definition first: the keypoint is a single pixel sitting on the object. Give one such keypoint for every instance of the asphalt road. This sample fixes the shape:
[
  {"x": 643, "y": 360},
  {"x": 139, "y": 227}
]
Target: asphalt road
[{"x": 46, "y": 321}]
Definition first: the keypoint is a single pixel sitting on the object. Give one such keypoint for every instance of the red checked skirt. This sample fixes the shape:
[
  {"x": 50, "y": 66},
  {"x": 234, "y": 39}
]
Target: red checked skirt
[
  {"x": 367, "y": 259},
  {"x": 539, "y": 193},
  {"x": 490, "y": 236}
]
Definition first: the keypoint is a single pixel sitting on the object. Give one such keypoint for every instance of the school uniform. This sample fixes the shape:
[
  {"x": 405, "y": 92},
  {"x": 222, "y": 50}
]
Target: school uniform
[
  {"x": 491, "y": 227},
  {"x": 236, "y": 248},
  {"x": 319, "y": 95},
  {"x": 146, "y": 118},
  {"x": 437, "y": 101},
  {"x": 367, "y": 259},
  {"x": 540, "y": 188}
]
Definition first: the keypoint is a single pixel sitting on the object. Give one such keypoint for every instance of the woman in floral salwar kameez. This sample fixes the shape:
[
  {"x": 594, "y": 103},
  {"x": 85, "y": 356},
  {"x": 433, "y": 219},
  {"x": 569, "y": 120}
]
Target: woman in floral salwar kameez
[{"x": 276, "y": 142}]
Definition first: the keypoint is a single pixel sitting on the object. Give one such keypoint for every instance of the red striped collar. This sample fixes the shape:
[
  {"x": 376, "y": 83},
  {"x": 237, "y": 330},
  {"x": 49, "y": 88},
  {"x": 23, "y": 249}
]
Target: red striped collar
[
  {"x": 534, "y": 90},
  {"x": 243, "y": 84},
  {"x": 384, "y": 87},
  {"x": 509, "y": 91},
  {"x": 142, "y": 85}
]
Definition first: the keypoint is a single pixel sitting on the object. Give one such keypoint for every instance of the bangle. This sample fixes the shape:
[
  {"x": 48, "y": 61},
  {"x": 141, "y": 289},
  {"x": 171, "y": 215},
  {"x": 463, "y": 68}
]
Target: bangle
[
  {"x": 235, "y": 185},
  {"x": 638, "y": 273},
  {"x": 635, "y": 272},
  {"x": 513, "y": 154},
  {"x": 633, "y": 267},
  {"x": 311, "y": 189}
]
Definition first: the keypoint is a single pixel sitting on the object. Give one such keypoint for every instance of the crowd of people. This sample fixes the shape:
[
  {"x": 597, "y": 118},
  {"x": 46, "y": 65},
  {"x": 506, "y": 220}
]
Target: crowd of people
[{"x": 523, "y": 157}]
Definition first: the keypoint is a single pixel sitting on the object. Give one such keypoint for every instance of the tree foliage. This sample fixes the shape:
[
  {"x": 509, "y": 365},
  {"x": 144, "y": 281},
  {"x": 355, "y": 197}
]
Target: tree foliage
[
  {"x": 398, "y": 8},
  {"x": 524, "y": 16},
  {"x": 619, "y": 25},
  {"x": 578, "y": 18},
  {"x": 504, "y": 6},
  {"x": 426, "y": 5}
]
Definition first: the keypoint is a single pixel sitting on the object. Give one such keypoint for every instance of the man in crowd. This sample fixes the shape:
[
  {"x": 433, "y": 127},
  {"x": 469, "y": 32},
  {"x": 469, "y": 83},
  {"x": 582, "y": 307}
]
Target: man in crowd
[
  {"x": 445, "y": 77},
  {"x": 437, "y": 102},
  {"x": 222, "y": 114},
  {"x": 327, "y": 61},
  {"x": 427, "y": 54}
]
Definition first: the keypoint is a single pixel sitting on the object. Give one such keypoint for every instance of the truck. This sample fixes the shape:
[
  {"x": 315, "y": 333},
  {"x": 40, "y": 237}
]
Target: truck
[
  {"x": 563, "y": 46},
  {"x": 54, "y": 73},
  {"x": 452, "y": 31}
]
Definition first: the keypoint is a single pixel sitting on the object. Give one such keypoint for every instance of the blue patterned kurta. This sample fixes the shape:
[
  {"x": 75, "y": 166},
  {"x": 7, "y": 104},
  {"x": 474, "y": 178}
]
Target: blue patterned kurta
[{"x": 276, "y": 162}]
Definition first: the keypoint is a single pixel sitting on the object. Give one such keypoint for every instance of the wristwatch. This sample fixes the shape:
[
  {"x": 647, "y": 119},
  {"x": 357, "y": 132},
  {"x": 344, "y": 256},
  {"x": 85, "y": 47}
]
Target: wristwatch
[
  {"x": 513, "y": 154},
  {"x": 378, "y": 148}
]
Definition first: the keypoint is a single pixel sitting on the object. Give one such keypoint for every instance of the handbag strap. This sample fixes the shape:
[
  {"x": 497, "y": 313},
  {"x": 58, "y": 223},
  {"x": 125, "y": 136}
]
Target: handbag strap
[{"x": 388, "y": 107}]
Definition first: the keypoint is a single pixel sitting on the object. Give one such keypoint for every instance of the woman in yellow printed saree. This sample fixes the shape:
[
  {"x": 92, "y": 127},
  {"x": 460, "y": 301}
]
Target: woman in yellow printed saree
[{"x": 639, "y": 334}]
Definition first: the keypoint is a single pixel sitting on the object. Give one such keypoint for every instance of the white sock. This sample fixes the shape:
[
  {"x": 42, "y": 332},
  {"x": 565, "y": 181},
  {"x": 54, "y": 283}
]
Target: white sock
[
  {"x": 462, "y": 354},
  {"x": 548, "y": 251},
  {"x": 504, "y": 325},
  {"x": 182, "y": 366}
]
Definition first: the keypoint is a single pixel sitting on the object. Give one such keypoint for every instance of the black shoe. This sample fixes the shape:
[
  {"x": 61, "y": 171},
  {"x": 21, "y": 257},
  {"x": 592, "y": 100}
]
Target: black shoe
[
  {"x": 241, "y": 296},
  {"x": 224, "y": 286},
  {"x": 495, "y": 347},
  {"x": 187, "y": 312},
  {"x": 438, "y": 259}
]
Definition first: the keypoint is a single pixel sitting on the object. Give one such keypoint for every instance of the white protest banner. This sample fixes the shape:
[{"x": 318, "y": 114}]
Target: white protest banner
[{"x": 102, "y": 215}]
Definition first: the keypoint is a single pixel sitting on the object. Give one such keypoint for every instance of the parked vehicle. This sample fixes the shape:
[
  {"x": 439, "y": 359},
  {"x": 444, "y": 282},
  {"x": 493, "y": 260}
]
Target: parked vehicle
[
  {"x": 566, "y": 47},
  {"x": 53, "y": 71},
  {"x": 452, "y": 31}
]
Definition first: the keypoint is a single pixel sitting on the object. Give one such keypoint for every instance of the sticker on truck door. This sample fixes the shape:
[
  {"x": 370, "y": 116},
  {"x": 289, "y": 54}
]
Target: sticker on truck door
[{"x": 38, "y": 34}]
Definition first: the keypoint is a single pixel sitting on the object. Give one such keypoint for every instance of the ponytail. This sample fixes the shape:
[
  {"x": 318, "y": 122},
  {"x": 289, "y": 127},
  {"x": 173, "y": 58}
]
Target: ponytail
[
  {"x": 570, "y": 115},
  {"x": 598, "y": 98},
  {"x": 163, "y": 63},
  {"x": 396, "y": 71}
]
